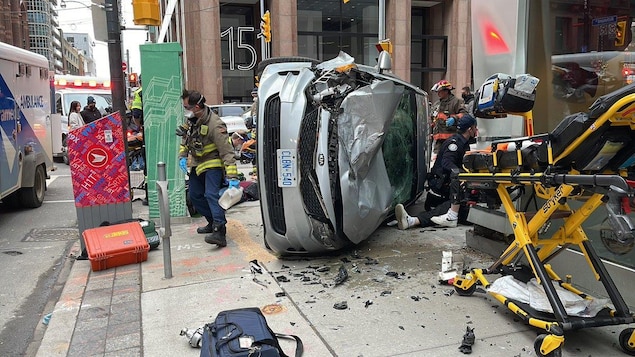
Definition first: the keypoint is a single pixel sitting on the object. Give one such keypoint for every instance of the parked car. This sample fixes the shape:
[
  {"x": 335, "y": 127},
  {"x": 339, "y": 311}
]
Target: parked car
[
  {"x": 337, "y": 150},
  {"x": 232, "y": 115}
]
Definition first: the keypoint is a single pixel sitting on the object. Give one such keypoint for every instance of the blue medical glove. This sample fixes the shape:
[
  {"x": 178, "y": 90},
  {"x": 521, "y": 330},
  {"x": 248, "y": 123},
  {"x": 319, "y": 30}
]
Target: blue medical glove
[
  {"x": 233, "y": 182},
  {"x": 449, "y": 121},
  {"x": 183, "y": 164}
]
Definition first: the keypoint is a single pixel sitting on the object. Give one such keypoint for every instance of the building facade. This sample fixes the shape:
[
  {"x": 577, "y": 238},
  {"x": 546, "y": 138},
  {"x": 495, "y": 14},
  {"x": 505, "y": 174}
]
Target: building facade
[
  {"x": 71, "y": 59},
  {"x": 33, "y": 25},
  {"x": 222, "y": 45},
  {"x": 84, "y": 45},
  {"x": 14, "y": 29}
]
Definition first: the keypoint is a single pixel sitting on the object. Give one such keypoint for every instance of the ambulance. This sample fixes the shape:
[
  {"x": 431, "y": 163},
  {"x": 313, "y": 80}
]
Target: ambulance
[
  {"x": 26, "y": 123},
  {"x": 69, "y": 88}
]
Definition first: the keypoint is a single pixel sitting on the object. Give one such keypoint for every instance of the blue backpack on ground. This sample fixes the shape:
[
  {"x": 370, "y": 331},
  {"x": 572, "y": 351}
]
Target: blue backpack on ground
[{"x": 242, "y": 333}]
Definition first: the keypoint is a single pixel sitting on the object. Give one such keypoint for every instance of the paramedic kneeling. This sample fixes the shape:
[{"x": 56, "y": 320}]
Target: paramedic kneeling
[
  {"x": 443, "y": 190},
  {"x": 448, "y": 164}
]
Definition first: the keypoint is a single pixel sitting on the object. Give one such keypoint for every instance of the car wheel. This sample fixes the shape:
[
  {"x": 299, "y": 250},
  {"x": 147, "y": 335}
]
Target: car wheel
[{"x": 268, "y": 61}]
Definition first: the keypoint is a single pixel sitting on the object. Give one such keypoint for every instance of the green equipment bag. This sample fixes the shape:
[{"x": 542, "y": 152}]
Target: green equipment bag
[{"x": 151, "y": 233}]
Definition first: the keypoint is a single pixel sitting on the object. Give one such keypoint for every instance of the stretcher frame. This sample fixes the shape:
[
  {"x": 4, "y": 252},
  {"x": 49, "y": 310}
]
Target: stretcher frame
[{"x": 557, "y": 188}]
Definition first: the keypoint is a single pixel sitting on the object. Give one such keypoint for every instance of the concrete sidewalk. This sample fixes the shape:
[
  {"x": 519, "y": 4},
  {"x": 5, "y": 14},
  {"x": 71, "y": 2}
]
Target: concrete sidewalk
[{"x": 395, "y": 305}]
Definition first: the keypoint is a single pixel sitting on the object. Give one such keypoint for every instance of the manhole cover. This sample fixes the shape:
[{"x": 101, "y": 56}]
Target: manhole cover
[
  {"x": 12, "y": 252},
  {"x": 51, "y": 235}
]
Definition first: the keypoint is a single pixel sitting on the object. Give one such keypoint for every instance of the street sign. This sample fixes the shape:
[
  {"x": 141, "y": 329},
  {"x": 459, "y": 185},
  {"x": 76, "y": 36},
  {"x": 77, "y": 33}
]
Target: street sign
[
  {"x": 604, "y": 20},
  {"x": 124, "y": 66}
]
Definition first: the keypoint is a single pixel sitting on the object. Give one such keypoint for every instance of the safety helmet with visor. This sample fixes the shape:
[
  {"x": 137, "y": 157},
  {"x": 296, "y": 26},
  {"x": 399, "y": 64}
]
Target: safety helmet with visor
[{"x": 442, "y": 85}]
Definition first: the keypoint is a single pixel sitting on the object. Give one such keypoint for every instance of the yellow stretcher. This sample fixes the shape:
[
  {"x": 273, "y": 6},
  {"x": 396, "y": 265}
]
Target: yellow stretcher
[{"x": 588, "y": 157}]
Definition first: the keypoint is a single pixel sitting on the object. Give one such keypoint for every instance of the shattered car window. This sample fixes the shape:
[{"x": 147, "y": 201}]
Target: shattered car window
[{"x": 399, "y": 149}]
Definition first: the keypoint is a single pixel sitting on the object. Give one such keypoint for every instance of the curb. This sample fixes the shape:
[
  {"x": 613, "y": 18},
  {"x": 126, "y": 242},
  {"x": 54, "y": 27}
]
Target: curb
[{"x": 59, "y": 331}]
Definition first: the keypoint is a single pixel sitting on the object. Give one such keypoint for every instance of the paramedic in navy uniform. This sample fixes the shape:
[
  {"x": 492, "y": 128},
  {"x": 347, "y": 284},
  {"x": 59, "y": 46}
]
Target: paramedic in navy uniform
[
  {"x": 448, "y": 165},
  {"x": 442, "y": 180}
]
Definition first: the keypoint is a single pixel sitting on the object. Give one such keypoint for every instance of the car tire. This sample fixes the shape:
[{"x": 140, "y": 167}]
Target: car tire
[{"x": 273, "y": 60}]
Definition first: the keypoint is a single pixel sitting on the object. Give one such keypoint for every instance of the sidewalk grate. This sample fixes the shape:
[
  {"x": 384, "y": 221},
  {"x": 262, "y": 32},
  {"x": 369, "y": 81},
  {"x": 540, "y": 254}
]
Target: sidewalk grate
[{"x": 51, "y": 235}]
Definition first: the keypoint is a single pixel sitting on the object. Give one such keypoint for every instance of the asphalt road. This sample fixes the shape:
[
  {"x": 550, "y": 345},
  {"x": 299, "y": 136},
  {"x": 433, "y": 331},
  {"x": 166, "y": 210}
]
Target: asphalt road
[{"x": 33, "y": 252}]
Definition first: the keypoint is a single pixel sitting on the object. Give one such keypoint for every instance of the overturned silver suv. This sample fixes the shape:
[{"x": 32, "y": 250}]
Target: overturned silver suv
[{"x": 339, "y": 145}]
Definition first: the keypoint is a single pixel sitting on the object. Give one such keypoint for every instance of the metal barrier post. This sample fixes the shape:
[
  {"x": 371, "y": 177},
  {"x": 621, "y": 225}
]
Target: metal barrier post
[{"x": 164, "y": 213}]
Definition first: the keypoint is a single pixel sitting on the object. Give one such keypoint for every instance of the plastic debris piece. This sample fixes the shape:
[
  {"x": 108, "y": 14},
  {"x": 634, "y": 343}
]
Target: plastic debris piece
[
  {"x": 47, "y": 318},
  {"x": 371, "y": 261},
  {"x": 340, "y": 305},
  {"x": 282, "y": 279},
  {"x": 323, "y": 269},
  {"x": 281, "y": 294},
  {"x": 368, "y": 303},
  {"x": 194, "y": 337},
  {"x": 385, "y": 292},
  {"x": 255, "y": 267},
  {"x": 415, "y": 298},
  {"x": 393, "y": 274},
  {"x": 341, "y": 276},
  {"x": 259, "y": 282},
  {"x": 468, "y": 340}
]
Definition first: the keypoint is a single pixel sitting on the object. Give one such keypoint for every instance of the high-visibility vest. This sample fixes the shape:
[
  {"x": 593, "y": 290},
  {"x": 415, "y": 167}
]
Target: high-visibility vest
[{"x": 136, "y": 102}]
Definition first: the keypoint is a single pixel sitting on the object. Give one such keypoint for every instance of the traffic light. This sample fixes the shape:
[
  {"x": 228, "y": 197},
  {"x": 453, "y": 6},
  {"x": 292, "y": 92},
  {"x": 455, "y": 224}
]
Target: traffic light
[
  {"x": 384, "y": 45},
  {"x": 146, "y": 12},
  {"x": 133, "y": 79},
  {"x": 620, "y": 33},
  {"x": 265, "y": 26}
]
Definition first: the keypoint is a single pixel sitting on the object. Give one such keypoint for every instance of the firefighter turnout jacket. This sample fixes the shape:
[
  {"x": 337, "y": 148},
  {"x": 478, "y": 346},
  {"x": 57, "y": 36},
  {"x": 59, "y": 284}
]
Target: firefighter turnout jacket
[
  {"x": 208, "y": 146},
  {"x": 441, "y": 111}
]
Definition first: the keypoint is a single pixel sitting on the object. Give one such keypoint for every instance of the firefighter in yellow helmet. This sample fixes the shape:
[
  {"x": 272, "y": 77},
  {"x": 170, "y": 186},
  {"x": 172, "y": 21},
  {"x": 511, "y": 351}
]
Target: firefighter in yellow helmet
[{"x": 446, "y": 113}]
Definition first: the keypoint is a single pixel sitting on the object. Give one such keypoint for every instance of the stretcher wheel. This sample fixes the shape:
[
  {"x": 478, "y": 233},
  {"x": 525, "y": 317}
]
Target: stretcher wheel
[
  {"x": 468, "y": 292},
  {"x": 625, "y": 335},
  {"x": 538, "y": 343}
]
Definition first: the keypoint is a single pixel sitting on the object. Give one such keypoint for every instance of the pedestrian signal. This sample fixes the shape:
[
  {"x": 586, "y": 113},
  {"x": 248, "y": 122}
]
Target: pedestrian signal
[{"x": 133, "y": 79}]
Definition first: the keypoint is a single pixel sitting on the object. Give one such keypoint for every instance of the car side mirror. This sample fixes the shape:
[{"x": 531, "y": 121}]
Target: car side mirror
[{"x": 384, "y": 62}]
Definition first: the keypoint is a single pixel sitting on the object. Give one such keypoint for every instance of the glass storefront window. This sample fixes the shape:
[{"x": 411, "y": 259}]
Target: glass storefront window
[
  {"x": 591, "y": 51},
  {"x": 327, "y": 27}
]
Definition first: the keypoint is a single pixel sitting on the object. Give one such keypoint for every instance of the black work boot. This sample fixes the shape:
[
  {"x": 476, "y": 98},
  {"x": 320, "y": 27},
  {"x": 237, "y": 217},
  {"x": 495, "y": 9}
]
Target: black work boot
[
  {"x": 206, "y": 229},
  {"x": 218, "y": 235}
]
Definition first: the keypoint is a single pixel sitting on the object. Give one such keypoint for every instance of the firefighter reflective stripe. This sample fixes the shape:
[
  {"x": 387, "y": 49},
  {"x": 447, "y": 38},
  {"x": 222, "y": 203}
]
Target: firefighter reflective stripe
[
  {"x": 182, "y": 150},
  {"x": 209, "y": 164},
  {"x": 216, "y": 164},
  {"x": 207, "y": 149},
  {"x": 231, "y": 170},
  {"x": 442, "y": 136}
]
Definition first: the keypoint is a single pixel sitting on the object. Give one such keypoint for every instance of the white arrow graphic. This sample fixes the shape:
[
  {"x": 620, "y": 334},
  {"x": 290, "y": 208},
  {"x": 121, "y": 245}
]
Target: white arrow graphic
[{"x": 97, "y": 158}]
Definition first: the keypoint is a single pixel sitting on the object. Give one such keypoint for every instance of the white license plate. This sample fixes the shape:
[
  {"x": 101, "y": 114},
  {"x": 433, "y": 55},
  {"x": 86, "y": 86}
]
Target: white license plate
[{"x": 287, "y": 168}]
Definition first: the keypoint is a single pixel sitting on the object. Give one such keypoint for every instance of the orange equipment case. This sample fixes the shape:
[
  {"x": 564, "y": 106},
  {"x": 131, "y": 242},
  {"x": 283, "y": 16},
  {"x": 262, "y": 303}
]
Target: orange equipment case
[{"x": 116, "y": 245}]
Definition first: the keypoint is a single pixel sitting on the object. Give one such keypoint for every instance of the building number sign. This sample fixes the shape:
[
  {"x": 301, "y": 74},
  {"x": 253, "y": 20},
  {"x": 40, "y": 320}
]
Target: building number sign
[{"x": 240, "y": 46}]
